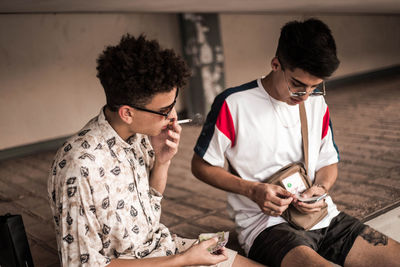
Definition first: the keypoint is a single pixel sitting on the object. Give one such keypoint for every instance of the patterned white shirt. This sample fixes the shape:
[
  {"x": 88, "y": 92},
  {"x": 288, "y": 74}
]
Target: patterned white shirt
[{"x": 100, "y": 197}]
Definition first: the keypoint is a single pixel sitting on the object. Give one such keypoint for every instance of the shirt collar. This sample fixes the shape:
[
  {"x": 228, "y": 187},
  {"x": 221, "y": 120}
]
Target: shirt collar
[{"x": 113, "y": 140}]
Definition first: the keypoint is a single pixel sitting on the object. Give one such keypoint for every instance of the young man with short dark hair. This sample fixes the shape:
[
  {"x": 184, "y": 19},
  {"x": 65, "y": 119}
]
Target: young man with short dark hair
[
  {"x": 256, "y": 127},
  {"x": 107, "y": 181}
]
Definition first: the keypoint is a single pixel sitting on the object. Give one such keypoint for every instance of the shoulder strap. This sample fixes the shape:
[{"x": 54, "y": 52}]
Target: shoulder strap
[{"x": 304, "y": 133}]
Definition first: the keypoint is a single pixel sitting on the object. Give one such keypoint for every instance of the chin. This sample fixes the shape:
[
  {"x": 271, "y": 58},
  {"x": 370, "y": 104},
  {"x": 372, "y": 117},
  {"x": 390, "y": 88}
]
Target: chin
[
  {"x": 155, "y": 132},
  {"x": 152, "y": 133},
  {"x": 293, "y": 101}
]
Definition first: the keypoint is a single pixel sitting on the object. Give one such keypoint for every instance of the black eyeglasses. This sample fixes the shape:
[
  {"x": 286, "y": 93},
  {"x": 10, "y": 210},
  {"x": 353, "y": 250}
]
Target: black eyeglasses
[
  {"x": 164, "y": 114},
  {"x": 319, "y": 91}
]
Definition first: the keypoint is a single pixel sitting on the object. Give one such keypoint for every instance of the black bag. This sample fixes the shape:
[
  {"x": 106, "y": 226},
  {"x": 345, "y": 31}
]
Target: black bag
[{"x": 14, "y": 246}]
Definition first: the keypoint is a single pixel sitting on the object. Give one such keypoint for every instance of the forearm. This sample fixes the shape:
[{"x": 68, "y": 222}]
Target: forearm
[
  {"x": 159, "y": 176},
  {"x": 326, "y": 176},
  {"x": 167, "y": 261},
  {"x": 220, "y": 178}
]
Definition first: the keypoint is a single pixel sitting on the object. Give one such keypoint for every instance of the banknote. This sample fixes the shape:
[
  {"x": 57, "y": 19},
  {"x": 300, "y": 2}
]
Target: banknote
[{"x": 222, "y": 240}]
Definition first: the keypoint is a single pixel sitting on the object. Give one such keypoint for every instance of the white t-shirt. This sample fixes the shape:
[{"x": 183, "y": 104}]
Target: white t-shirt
[{"x": 258, "y": 135}]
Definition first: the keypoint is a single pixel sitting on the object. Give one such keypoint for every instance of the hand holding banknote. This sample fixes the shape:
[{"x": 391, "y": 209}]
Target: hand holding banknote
[{"x": 204, "y": 252}]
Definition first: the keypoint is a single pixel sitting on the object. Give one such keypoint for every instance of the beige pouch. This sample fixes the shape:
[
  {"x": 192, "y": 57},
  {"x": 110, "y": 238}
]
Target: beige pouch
[{"x": 297, "y": 219}]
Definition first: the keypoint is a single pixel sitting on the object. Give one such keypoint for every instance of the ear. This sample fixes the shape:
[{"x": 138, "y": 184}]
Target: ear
[
  {"x": 126, "y": 114},
  {"x": 275, "y": 64}
]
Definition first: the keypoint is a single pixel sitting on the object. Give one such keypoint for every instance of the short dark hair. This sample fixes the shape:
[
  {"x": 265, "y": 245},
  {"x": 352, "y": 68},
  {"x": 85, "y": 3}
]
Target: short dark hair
[
  {"x": 308, "y": 45},
  {"x": 136, "y": 69}
]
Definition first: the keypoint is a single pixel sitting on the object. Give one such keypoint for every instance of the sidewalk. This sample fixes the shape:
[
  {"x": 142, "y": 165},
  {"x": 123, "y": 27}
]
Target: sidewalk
[
  {"x": 367, "y": 131},
  {"x": 388, "y": 223}
]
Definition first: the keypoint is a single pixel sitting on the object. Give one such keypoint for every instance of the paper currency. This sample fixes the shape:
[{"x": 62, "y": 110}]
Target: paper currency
[{"x": 222, "y": 240}]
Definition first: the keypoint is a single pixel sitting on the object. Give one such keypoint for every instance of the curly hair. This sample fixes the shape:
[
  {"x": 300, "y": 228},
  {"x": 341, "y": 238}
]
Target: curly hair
[
  {"x": 308, "y": 45},
  {"x": 136, "y": 69}
]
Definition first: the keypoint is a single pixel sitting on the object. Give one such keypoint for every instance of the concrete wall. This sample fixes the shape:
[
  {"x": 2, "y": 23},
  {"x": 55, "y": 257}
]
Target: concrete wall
[
  {"x": 48, "y": 78},
  {"x": 364, "y": 43}
]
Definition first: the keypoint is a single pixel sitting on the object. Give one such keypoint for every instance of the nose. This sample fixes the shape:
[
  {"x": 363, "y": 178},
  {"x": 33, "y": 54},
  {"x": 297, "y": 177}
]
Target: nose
[
  {"x": 307, "y": 89},
  {"x": 172, "y": 115},
  {"x": 304, "y": 97}
]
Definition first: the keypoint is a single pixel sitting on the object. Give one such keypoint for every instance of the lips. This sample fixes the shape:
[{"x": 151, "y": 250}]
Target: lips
[{"x": 296, "y": 100}]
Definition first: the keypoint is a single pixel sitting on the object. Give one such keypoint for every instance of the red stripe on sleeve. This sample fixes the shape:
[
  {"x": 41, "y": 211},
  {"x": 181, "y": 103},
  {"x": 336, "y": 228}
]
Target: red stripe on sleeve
[
  {"x": 325, "y": 123},
  {"x": 225, "y": 123}
]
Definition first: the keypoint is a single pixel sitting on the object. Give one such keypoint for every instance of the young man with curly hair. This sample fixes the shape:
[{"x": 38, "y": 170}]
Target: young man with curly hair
[
  {"x": 256, "y": 127},
  {"x": 106, "y": 182}
]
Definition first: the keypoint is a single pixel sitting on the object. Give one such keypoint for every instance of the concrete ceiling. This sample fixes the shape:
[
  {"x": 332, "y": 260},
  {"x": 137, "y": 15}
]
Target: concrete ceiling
[{"x": 218, "y": 6}]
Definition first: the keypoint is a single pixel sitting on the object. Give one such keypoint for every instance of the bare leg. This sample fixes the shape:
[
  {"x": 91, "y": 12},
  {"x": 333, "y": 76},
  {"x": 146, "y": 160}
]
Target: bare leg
[
  {"x": 241, "y": 261},
  {"x": 304, "y": 256},
  {"x": 372, "y": 248}
]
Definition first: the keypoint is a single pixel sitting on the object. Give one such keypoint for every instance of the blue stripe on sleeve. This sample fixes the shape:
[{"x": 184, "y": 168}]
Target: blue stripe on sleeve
[{"x": 333, "y": 140}]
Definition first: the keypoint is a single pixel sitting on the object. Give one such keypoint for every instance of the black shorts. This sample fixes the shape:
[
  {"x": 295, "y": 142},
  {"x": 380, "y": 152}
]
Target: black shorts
[{"x": 333, "y": 242}]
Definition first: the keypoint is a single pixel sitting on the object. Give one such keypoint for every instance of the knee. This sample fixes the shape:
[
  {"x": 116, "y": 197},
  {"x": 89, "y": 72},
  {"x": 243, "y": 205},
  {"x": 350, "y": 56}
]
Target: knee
[{"x": 304, "y": 256}]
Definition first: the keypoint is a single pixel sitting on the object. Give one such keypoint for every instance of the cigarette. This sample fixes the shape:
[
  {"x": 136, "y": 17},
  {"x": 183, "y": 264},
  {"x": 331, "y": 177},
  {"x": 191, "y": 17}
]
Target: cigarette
[{"x": 184, "y": 121}]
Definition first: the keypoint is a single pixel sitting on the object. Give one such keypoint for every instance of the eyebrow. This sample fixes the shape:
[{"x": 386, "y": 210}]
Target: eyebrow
[{"x": 303, "y": 84}]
